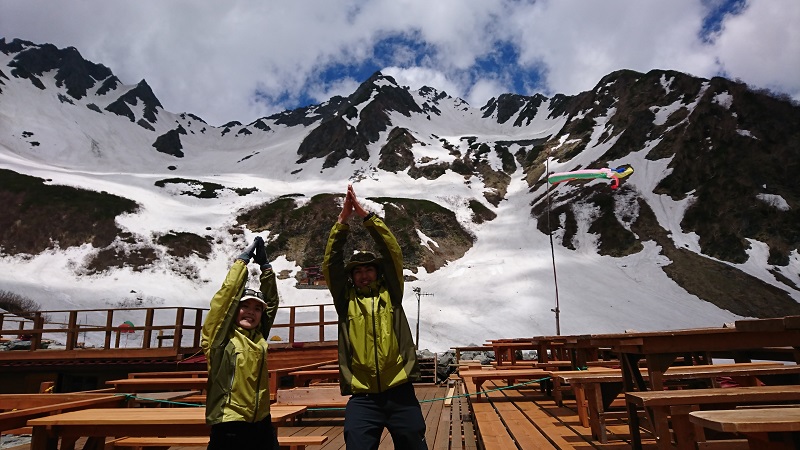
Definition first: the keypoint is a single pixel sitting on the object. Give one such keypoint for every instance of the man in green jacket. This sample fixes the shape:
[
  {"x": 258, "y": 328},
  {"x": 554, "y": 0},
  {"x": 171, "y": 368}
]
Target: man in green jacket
[
  {"x": 377, "y": 357},
  {"x": 234, "y": 341}
]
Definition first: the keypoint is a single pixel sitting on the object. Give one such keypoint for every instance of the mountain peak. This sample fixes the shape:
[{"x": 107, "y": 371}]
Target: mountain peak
[
  {"x": 73, "y": 72},
  {"x": 703, "y": 229}
]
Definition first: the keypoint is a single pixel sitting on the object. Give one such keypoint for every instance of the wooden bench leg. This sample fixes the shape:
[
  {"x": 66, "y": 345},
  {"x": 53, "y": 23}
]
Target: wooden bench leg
[
  {"x": 661, "y": 426},
  {"x": 581, "y": 404},
  {"x": 686, "y": 433},
  {"x": 595, "y": 403},
  {"x": 94, "y": 443}
]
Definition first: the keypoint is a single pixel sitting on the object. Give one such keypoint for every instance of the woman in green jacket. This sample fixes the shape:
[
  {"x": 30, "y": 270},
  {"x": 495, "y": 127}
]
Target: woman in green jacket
[
  {"x": 377, "y": 357},
  {"x": 234, "y": 341}
]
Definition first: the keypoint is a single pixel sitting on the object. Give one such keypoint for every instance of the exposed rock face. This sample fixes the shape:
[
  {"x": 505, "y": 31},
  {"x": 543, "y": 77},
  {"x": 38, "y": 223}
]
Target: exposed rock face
[
  {"x": 141, "y": 92},
  {"x": 72, "y": 71},
  {"x": 335, "y": 138},
  {"x": 170, "y": 143}
]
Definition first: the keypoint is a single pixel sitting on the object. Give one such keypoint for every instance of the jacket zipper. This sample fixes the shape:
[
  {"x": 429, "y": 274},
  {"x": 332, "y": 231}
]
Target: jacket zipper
[
  {"x": 375, "y": 340},
  {"x": 258, "y": 382},
  {"x": 233, "y": 377}
]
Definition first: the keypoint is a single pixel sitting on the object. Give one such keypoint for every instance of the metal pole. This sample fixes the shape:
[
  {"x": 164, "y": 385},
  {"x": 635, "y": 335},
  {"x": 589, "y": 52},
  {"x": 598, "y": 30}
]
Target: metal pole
[
  {"x": 556, "y": 310},
  {"x": 417, "y": 293}
]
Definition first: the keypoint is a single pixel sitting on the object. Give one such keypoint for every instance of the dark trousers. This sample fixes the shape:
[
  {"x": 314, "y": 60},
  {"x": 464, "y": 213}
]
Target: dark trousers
[
  {"x": 243, "y": 436},
  {"x": 396, "y": 409}
]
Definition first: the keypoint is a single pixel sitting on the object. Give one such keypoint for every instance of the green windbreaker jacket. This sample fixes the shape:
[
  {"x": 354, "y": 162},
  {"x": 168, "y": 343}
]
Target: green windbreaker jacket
[
  {"x": 376, "y": 349},
  {"x": 238, "y": 383}
]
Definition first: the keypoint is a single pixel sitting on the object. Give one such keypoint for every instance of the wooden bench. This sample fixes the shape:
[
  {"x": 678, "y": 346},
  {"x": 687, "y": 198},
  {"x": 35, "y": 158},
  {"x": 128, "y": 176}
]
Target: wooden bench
[
  {"x": 138, "y": 443},
  {"x": 312, "y": 397},
  {"x": 275, "y": 375},
  {"x": 596, "y": 390},
  {"x": 674, "y": 407},
  {"x": 304, "y": 377},
  {"x": 175, "y": 374},
  {"x": 768, "y": 428},
  {"x": 478, "y": 377}
]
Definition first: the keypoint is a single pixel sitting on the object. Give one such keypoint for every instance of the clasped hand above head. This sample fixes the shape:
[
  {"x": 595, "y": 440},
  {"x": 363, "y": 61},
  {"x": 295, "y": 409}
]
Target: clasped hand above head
[
  {"x": 351, "y": 205},
  {"x": 256, "y": 251}
]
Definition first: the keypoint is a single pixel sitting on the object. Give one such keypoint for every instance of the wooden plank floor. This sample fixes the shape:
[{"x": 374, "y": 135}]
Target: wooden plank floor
[
  {"x": 562, "y": 430},
  {"x": 454, "y": 427},
  {"x": 443, "y": 424}
]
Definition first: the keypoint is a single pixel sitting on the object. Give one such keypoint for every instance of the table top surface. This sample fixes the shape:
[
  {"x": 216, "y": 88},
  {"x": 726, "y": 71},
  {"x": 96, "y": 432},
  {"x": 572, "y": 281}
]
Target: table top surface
[
  {"x": 316, "y": 372},
  {"x": 749, "y": 420},
  {"x": 178, "y": 374},
  {"x": 165, "y": 380},
  {"x": 740, "y": 394},
  {"x": 696, "y": 340},
  {"x": 683, "y": 372},
  {"x": 501, "y": 374},
  {"x": 148, "y": 416}
]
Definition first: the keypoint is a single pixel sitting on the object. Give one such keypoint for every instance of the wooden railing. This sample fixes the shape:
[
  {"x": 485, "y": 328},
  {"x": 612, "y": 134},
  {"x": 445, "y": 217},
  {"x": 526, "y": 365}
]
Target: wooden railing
[{"x": 106, "y": 330}]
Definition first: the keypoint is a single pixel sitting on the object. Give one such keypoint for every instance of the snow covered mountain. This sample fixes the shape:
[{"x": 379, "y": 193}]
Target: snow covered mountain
[{"x": 108, "y": 199}]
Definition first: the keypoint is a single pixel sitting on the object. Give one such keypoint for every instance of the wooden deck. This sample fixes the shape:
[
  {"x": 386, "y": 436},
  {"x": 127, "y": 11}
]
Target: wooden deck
[{"x": 462, "y": 425}]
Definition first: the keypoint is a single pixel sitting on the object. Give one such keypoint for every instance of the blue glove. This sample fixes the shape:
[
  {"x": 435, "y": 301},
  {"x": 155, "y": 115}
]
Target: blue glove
[
  {"x": 260, "y": 257},
  {"x": 249, "y": 252}
]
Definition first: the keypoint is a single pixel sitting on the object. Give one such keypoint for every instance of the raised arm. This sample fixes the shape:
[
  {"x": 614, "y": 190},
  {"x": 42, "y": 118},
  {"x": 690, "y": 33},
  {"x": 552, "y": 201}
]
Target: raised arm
[
  {"x": 387, "y": 246},
  {"x": 333, "y": 263},
  {"x": 269, "y": 288}
]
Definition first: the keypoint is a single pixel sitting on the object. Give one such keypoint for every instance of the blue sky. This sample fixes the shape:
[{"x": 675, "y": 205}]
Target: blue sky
[{"x": 244, "y": 59}]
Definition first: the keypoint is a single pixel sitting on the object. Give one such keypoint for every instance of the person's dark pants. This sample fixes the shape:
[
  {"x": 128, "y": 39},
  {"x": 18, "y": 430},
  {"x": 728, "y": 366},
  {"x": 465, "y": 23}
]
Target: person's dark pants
[
  {"x": 396, "y": 409},
  {"x": 243, "y": 436}
]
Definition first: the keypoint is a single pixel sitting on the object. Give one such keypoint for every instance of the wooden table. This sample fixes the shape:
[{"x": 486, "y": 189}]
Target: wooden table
[
  {"x": 24, "y": 407},
  {"x": 164, "y": 398},
  {"x": 176, "y": 374},
  {"x": 97, "y": 424},
  {"x": 505, "y": 352},
  {"x": 478, "y": 377},
  {"x": 675, "y": 406},
  {"x": 583, "y": 353},
  {"x": 768, "y": 428},
  {"x": 304, "y": 377},
  {"x": 545, "y": 346},
  {"x": 596, "y": 389},
  {"x": 134, "y": 385},
  {"x": 469, "y": 348},
  {"x": 662, "y": 348}
]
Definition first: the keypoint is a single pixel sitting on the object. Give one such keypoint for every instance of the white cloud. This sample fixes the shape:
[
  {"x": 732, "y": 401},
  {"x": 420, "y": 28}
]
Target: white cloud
[
  {"x": 212, "y": 58},
  {"x": 417, "y": 77},
  {"x": 762, "y": 45},
  {"x": 483, "y": 90}
]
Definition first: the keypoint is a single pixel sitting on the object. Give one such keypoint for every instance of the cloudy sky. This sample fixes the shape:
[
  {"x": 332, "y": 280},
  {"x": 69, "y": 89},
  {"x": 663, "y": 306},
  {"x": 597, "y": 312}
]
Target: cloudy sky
[{"x": 244, "y": 59}]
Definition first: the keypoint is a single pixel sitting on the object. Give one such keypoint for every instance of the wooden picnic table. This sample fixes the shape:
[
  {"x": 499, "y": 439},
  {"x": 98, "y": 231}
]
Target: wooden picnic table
[
  {"x": 165, "y": 398},
  {"x": 765, "y": 428},
  {"x": 304, "y": 377},
  {"x": 176, "y": 374},
  {"x": 468, "y": 348},
  {"x": 661, "y": 349},
  {"x": 596, "y": 389},
  {"x": 19, "y": 408},
  {"x": 135, "y": 385},
  {"x": 545, "y": 346},
  {"x": 582, "y": 352},
  {"x": 97, "y": 424},
  {"x": 506, "y": 352},
  {"x": 675, "y": 405},
  {"x": 478, "y": 377}
]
